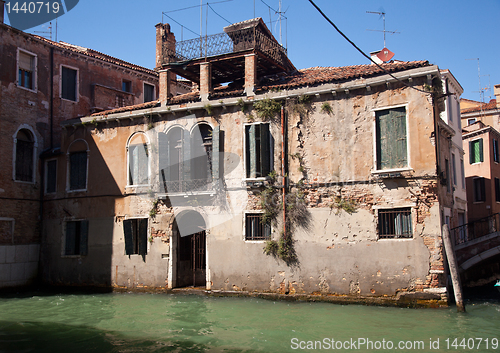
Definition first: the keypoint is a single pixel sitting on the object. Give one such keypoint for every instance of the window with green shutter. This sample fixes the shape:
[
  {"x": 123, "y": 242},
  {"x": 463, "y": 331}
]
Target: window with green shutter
[
  {"x": 476, "y": 151},
  {"x": 392, "y": 141},
  {"x": 76, "y": 240},
  {"x": 258, "y": 150}
]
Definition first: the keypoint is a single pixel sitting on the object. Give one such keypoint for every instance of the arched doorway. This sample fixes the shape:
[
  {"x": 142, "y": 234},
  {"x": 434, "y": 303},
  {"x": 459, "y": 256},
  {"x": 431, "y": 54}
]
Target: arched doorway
[{"x": 191, "y": 264}]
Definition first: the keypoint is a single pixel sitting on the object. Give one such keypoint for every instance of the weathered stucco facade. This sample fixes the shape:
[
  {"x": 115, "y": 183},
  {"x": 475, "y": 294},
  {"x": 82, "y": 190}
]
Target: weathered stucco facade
[{"x": 189, "y": 191}]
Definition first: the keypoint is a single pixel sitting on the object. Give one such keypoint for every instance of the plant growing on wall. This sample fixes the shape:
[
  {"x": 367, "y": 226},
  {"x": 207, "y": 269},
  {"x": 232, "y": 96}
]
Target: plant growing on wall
[
  {"x": 154, "y": 209},
  {"x": 208, "y": 109},
  {"x": 326, "y": 108},
  {"x": 267, "y": 109},
  {"x": 348, "y": 205},
  {"x": 242, "y": 105}
]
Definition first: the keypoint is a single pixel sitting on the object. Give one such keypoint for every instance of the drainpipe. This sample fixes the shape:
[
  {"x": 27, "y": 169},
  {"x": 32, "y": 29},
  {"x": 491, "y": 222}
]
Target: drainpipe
[
  {"x": 283, "y": 165},
  {"x": 51, "y": 98}
]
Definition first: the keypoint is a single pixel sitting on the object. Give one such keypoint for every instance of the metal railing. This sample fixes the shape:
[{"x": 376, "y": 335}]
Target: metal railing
[
  {"x": 476, "y": 229},
  {"x": 223, "y": 43},
  {"x": 192, "y": 185}
]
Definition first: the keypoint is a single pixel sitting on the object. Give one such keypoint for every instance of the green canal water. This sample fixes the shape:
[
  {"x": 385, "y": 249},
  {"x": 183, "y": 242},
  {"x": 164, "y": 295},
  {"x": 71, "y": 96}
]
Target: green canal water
[{"x": 132, "y": 322}]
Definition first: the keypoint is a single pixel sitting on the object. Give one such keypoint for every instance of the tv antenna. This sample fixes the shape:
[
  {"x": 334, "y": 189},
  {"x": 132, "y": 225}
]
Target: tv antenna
[
  {"x": 481, "y": 89},
  {"x": 48, "y": 33},
  {"x": 381, "y": 14}
]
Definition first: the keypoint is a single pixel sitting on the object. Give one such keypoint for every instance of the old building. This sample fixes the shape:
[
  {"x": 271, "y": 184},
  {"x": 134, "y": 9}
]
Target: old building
[
  {"x": 487, "y": 113},
  {"x": 43, "y": 83},
  {"x": 482, "y": 170},
  {"x": 332, "y": 180}
]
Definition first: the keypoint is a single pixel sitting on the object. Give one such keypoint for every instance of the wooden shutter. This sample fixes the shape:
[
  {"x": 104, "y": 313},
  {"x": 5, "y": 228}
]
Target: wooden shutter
[
  {"x": 265, "y": 150},
  {"x": 186, "y": 156},
  {"x": 143, "y": 236},
  {"x": 163, "y": 160},
  {"x": 252, "y": 153},
  {"x": 70, "y": 238},
  {"x": 392, "y": 148},
  {"x": 481, "y": 155},
  {"x": 215, "y": 153},
  {"x": 84, "y": 232},
  {"x": 471, "y": 152},
  {"x": 128, "y": 232}
]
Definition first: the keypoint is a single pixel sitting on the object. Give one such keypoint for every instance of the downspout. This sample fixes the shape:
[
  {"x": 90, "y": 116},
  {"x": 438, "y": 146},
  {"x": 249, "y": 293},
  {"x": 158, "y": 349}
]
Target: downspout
[
  {"x": 283, "y": 166},
  {"x": 51, "y": 113}
]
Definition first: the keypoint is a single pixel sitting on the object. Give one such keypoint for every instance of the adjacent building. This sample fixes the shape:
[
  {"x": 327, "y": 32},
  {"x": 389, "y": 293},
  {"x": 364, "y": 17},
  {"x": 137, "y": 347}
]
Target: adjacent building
[
  {"x": 42, "y": 84},
  {"x": 332, "y": 180}
]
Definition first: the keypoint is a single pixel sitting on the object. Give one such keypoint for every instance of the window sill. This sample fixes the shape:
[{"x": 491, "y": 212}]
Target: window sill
[
  {"x": 24, "y": 182},
  {"x": 69, "y": 100},
  {"x": 28, "y": 89},
  {"x": 395, "y": 239},
  {"x": 395, "y": 170},
  {"x": 78, "y": 190},
  {"x": 72, "y": 256}
]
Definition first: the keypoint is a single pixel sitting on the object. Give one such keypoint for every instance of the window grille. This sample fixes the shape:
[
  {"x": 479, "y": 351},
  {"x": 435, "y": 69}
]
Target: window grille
[
  {"x": 255, "y": 229},
  {"x": 395, "y": 223}
]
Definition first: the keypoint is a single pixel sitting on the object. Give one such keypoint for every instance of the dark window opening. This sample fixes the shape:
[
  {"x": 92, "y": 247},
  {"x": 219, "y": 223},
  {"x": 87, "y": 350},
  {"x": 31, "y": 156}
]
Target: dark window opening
[
  {"x": 51, "y": 172},
  {"x": 76, "y": 237},
  {"x": 136, "y": 235},
  {"x": 255, "y": 229},
  {"x": 395, "y": 223},
  {"x": 24, "y": 155},
  {"x": 258, "y": 150},
  {"x": 78, "y": 170},
  {"x": 69, "y": 81},
  {"x": 496, "y": 156},
  {"x": 149, "y": 91},
  {"x": 497, "y": 190},
  {"x": 126, "y": 86},
  {"x": 479, "y": 190}
]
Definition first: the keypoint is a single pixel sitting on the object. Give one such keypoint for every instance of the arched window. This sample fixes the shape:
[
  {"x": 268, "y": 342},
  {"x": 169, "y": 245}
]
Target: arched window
[
  {"x": 138, "y": 160},
  {"x": 77, "y": 165},
  {"x": 24, "y": 144}
]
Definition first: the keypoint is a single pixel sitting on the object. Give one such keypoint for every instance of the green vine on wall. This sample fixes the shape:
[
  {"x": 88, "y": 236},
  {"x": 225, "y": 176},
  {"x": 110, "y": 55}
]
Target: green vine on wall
[{"x": 267, "y": 109}]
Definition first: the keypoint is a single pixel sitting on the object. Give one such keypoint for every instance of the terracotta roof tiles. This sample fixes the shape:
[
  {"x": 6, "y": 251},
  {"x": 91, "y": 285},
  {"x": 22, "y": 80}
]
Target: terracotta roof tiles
[{"x": 482, "y": 106}]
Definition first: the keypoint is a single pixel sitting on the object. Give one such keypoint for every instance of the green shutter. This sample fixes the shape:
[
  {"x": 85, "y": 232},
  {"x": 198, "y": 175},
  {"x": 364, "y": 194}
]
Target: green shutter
[
  {"x": 143, "y": 236},
  {"x": 70, "y": 238},
  {"x": 399, "y": 120},
  {"x": 186, "y": 156},
  {"x": 252, "y": 152},
  {"x": 383, "y": 148},
  {"x": 265, "y": 150},
  {"x": 480, "y": 147},
  {"x": 392, "y": 144},
  {"x": 215, "y": 153},
  {"x": 129, "y": 236},
  {"x": 84, "y": 232}
]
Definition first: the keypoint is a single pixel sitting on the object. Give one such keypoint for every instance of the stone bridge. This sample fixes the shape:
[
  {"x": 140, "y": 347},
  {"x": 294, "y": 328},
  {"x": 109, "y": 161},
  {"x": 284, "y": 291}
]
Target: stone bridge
[{"x": 477, "y": 249}]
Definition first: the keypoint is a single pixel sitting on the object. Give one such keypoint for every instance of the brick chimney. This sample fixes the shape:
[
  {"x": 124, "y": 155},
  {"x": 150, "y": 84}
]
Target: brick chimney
[
  {"x": 165, "y": 50},
  {"x": 2, "y": 6},
  {"x": 496, "y": 92}
]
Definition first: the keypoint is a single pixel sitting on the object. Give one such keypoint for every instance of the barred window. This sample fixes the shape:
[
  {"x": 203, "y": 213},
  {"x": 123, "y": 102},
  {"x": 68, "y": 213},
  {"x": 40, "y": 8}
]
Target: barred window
[
  {"x": 394, "y": 223},
  {"x": 255, "y": 229}
]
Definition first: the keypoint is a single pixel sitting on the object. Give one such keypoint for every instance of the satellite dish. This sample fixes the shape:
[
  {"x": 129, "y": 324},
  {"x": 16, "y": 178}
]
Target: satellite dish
[{"x": 385, "y": 55}]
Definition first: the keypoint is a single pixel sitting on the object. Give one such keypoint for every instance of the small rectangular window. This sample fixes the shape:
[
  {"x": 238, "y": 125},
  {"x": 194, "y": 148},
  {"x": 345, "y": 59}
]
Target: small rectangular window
[
  {"x": 258, "y": 150},
  {"x": 479, "y": 190},
  {"x": 126, "y": 86},
  {"x": 255, "y": 229},
  {"x": 26, "y": 70},
  {"x": 50, "y": 176},
  {"x": 448, "y": 176},
  {"x": 462, "y": 170},
  {"x": 136, "y": 235},
  {"x": 149, "y": 93},
  {"x": 476, "y": 151},
  {"x": 394, "y": 223},
  {"x": 76, "y": 238},
  {"x": 497, "y": 190},
  {"x": 471, "y": 121},
  {"x": 69, "y": 80}
]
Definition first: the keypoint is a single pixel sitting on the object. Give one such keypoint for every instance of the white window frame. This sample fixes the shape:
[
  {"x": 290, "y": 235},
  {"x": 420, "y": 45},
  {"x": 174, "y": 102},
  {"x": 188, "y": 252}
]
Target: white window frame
[
  {"x": 77, "y": 88},
  {"x": 245, "y": 213},
  {"x": 68, "y": 166},
  {"x": 14, "y": 153},
  {"x": 35, "y": 70},
  {"x": 408, "y": 167},
  {"x": 148, "y": 143}
]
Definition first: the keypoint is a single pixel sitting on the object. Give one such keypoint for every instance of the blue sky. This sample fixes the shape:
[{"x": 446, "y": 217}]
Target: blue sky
[{"x": 444, "y": 32}]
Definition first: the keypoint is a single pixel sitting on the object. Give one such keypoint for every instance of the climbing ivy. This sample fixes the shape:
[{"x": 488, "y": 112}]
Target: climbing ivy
[{"x": 267, "y": 109}]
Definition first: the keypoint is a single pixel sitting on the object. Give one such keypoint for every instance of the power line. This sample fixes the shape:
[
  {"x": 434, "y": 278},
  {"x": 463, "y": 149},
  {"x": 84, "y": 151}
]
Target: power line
[
  {"x": 191, "y": 7},
  {"x": 363, "y": 53},
  {"x": 218, "y": 14},
  {"x": 164, "y": 13}
]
